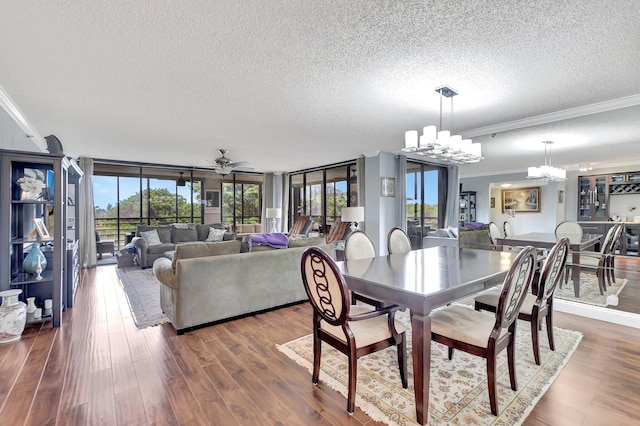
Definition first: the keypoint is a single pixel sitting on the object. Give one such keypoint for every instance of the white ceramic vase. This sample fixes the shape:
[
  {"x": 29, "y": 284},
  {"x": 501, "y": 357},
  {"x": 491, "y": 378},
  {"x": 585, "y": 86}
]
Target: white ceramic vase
[
  {"x": 31, "y": 305},
  {"x": 13, "y": 316}
]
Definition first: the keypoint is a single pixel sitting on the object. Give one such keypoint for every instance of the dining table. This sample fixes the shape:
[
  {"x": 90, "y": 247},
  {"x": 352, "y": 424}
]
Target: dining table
[
  {"x": 546, "y": 240},
  {"x": 423, "y": 280}
]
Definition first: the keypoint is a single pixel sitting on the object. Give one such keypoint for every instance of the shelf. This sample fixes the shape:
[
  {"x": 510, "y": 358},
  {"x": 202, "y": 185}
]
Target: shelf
[
  {"x": 23, "y": 278},
  {"x": 39, "y": 320}
]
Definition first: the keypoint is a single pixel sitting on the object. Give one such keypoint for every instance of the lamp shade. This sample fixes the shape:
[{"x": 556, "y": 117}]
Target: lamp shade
[
  {"x": 273, "y": 213},
  {"x": 352, "y": 214}
]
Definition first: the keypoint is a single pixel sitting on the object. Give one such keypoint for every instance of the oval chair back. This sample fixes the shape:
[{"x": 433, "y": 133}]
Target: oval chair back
[
  {"x": 494, "y": 232},
  {"x": 358, "y": 246},
  {"x": 515, "y": 286},
  {"x": 508, "y": 229},
  {"x": 568, "y": 229},
  {"x": 325, "y": 286},
  {"x": 552, "y": 269},
  {"x": 398, "y": 241}
]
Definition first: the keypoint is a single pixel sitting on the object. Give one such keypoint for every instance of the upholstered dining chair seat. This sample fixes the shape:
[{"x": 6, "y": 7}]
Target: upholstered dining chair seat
[
  {"x": 491, "y": 297},
  {"x": 464, "y": 324},
  {"x": 366, "y": 332}
]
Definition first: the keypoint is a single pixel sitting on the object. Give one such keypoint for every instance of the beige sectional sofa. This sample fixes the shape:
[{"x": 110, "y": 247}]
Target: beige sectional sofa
[{"x": 206, "y": 283}]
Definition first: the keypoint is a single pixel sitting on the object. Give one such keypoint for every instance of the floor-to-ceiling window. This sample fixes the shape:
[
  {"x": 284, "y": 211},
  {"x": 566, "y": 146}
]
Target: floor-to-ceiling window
[
  {"x": 425, "y": 200},
  {"x": 242, "y": 198},
  {"x": 127, "y": 195},
  {"x": 321, "y": 194}
]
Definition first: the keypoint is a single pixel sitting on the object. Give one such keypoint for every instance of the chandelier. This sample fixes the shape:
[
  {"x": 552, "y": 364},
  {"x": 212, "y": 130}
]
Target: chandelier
[
  {"x": 442, "y": 145},
  {"x": 547, "y": 172}
]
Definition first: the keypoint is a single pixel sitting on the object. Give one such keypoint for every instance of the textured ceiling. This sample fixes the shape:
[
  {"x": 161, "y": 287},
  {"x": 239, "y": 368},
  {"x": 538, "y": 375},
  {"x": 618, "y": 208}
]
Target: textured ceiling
[{"x": 288, "y": 85}]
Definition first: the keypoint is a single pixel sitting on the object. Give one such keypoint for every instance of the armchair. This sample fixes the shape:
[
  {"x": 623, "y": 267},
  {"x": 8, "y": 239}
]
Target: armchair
[{"x": 104, "y": 246}]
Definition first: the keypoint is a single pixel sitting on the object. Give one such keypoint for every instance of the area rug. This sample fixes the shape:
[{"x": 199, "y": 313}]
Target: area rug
[
  {"x": 143, "y": 294},
  {"x": 589, "y": 291},
  {"x": 458, "y": 389}
]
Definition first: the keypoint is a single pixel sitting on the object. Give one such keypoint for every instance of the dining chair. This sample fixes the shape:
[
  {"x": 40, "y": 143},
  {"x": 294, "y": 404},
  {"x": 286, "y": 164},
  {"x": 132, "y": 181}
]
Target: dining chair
[
  {"x": 357, "y": 246},
  {"x": 353, "y": 330},
  {"x": 398, "y": 241},
  {"x": 568, "y": 228},
  {"x": 508, "y": 229},
  {"x": 462, "y": 327},
  {"x": 535, "y": 307},
  {"x": 494, "y": 232},
  {"x": 602, "y": 262}
]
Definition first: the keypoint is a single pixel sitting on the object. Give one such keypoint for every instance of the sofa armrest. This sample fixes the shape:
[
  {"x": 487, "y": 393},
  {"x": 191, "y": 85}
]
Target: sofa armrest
[
  {"x": 141, "y": 246},
  {"x": 165, "y": 273}
]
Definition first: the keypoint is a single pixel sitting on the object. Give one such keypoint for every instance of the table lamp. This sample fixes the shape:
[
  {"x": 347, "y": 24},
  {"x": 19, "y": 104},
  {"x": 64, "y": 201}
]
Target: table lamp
[
  {"x": 274, "y": 214},
  {"x": 353, "y": 215}
]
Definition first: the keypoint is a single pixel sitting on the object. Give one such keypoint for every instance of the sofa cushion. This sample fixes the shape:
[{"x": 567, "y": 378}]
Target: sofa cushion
[
  {"x": 203, "y": 249},
  {"x": 164, "y": 232},
  {"x": 203, "y": 230},
  {"x": 183, "y": 225},
  {"x": 306, "y": 242},
  {"x": 183, "y": 235},
  {"x": 215, "y": 235},
  {"x": 152, "y": 237},
  {"x": 160, "y": 248}
]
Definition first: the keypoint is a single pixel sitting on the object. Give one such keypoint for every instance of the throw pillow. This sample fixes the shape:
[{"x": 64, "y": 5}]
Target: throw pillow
[
  {"x": 215, "y": 235},
  {"x": 151, "y": 236}
]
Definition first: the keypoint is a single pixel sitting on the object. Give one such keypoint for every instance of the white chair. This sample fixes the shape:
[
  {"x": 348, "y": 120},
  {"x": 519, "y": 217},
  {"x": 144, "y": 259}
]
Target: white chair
[
  {"x": 494, "y": 232},
  {"x": 463, "y": 328},
  {"x": 538, "y": 306},
  {"x": 398, "y": 241},
  {"x": 508, "y": 229},
  {"x": 355, "y": 331},
  {"x": 358, "y": 246},
  {"x": 568, "y": 229}
]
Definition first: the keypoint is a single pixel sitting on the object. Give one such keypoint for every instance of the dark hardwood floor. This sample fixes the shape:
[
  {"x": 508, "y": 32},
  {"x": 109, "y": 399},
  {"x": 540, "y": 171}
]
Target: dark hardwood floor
[{"x": 98, "y": 369}]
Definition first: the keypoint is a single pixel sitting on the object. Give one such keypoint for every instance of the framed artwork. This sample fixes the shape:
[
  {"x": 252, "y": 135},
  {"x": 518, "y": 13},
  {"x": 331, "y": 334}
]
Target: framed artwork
[
  {"x": 493, "y": 202},
  {"x": 521, "y": 200},
  {"x": 212, "y": 200},
  {"x": 387, "y": 187},
  {"x": 41, "y": 229},
  {"x": 463, "y": 217}
]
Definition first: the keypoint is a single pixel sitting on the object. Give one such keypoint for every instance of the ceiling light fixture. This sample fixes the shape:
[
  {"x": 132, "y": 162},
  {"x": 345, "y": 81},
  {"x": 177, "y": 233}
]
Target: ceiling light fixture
[
  {"x": 547, "y": 172},
  {"x": 442, "y": 145},
  {"x": 181, "y": 180},
  {"x": 585, "y": 167}
]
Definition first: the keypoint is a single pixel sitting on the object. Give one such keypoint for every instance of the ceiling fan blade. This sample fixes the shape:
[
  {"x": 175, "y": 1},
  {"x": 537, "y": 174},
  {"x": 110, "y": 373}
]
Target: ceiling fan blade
[{"x": 239, "y": 164}]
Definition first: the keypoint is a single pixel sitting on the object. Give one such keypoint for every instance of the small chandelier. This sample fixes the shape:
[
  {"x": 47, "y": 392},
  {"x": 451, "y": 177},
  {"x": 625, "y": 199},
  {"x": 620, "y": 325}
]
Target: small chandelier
[
  {"x": 441, "y": 145},
  {"x": 547, "y": 172}
]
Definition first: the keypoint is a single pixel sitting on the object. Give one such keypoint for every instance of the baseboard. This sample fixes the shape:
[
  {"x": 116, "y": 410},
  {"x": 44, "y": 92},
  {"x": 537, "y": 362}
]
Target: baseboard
[{"x": 603, "y": 314}]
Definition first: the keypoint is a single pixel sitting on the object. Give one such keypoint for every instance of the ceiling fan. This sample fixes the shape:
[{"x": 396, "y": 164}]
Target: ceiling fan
[{"x": 223, "y": 165}]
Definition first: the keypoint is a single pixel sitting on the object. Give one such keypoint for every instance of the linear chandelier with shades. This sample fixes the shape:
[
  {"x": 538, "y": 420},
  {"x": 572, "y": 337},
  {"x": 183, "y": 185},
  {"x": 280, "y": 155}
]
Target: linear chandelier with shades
[
  {"x": 441, "y": 145},
  {"x": 547, "y": 172}
]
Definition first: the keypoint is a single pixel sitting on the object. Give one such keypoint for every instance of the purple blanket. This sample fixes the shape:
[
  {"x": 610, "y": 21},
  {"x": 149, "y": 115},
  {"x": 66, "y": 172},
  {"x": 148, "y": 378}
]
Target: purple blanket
[
  {"x": 474, "y": 225},
  {"x": 275, "y": 239}
]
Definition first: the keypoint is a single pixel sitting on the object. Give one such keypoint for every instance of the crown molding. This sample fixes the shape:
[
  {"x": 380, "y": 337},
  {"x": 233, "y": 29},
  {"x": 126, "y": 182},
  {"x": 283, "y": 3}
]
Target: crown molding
[
  {"x": 14, "y": 112},
  {"x": 625, "y": 102}
]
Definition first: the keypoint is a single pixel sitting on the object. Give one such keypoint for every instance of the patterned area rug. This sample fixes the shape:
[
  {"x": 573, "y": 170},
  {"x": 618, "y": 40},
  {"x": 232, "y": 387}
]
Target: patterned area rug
[
  {"x": 143, "y": 293},
  {"x": 458, "y": 390},
  {"x": 589, "y": 291}
]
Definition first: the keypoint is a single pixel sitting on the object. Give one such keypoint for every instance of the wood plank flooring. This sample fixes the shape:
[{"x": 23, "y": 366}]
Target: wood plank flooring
[{"x": 98, "y": 369}]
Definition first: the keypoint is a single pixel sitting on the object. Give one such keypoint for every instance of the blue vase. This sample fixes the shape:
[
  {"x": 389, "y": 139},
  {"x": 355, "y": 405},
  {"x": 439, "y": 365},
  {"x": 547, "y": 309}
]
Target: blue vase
[{"x": 33, "y": 259}]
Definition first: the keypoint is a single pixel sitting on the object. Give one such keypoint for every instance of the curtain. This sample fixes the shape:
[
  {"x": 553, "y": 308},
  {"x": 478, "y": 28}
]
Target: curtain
[
  {"x": 87, "y": 220},
  {"x": 452, "y": 196},
  {"x": 284, "y": 181},
  {"x": 401, "y": 186},
  {"x": 361, "y": 186}
]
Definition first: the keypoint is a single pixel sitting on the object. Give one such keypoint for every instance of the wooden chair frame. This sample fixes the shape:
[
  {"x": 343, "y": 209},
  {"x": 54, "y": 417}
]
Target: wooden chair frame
[
  {"x": 514, "y": 289},
  {"x": 552, "y": 271},
  {"x": 329, "y": 298}
]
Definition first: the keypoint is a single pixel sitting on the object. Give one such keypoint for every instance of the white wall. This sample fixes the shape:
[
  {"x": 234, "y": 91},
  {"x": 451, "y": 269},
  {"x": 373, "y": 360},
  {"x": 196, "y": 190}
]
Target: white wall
[{"x": 13, "y": 137}]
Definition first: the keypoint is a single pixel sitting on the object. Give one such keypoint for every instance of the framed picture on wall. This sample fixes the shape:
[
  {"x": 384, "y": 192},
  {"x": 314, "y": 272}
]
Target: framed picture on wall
[
  {"x": 212, "y": 201},
  {"x": 521, "y": 200},
  {"x": 387, "y": 187}
]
